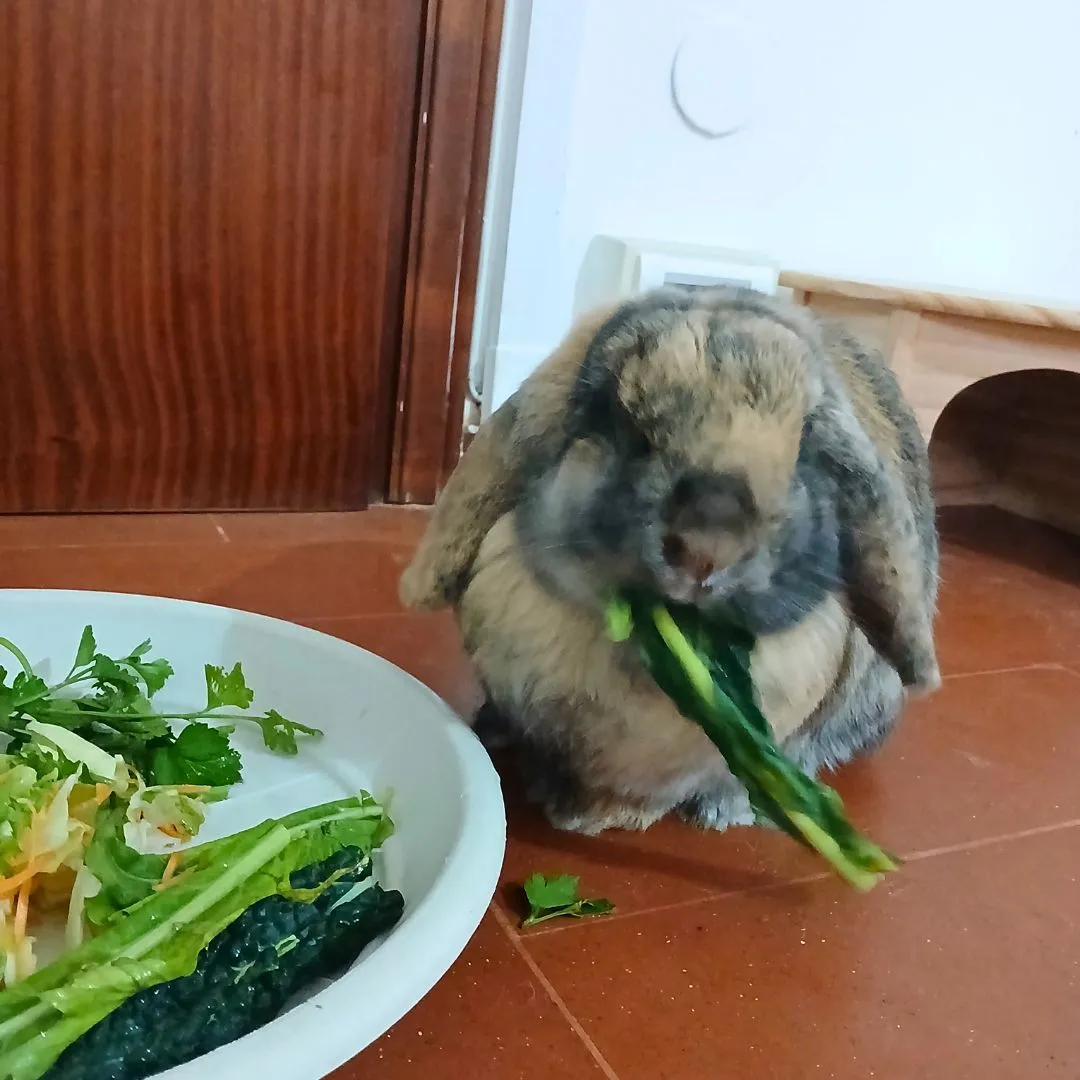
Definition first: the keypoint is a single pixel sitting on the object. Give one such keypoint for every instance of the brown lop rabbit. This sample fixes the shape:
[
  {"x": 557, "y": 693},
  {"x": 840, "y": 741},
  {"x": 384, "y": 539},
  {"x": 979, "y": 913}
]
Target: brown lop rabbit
[{"x": 722, "y": 448}]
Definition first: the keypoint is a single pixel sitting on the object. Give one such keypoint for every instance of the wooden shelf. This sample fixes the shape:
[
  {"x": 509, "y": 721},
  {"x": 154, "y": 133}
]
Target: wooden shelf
[
  {"x": 992, "y": 382},
  {"x": 1003, "y": 309}
]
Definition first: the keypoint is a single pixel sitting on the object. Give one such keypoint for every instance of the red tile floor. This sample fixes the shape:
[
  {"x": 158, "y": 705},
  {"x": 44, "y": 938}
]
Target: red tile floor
[{"x": 731, "y": 956}]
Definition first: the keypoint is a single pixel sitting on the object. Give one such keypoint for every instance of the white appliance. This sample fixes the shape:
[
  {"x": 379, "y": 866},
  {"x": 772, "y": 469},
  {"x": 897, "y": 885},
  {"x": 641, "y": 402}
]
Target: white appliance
[{"x": 617, "y": 267}]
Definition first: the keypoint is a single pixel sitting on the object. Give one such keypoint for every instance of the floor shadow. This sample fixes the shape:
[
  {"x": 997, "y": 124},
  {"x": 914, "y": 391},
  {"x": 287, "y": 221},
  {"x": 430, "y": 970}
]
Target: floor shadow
[
  {"x": 638, "y": 853},
  {"x": 997, "y": 534}
]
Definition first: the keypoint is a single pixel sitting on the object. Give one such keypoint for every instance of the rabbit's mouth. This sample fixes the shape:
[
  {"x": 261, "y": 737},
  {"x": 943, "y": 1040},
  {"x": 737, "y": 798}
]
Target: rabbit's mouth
[
  {"x": 697, "y": 565},
  {"x": 698, "y": 569},
  {"x": 685, "y": 573}
]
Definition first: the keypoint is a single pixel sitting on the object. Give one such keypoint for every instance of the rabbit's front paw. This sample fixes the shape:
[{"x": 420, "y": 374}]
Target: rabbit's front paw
[{"x": 721, "y": 809}]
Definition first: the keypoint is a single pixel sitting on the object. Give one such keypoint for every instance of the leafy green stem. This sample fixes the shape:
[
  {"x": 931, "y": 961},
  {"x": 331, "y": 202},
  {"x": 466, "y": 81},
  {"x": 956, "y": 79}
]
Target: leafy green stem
[
  {"x": 18, "y": 654},
  {"x": 136, "y": 718},
  {"x": 535, "y": 920},
  {"x": 48, "y": 691},
  {"x": 703, "y": 665}
]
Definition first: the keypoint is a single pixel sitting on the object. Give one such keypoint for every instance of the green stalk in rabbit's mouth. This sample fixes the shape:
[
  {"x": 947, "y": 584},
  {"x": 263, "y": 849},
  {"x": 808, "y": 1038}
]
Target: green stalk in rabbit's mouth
[{"x": 703, "y": 665}]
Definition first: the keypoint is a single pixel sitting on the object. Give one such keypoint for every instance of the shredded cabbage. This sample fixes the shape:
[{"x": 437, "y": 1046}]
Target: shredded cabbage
[
  {"x": 110, "y": 768},
  {"x": 46, "y": 822}
]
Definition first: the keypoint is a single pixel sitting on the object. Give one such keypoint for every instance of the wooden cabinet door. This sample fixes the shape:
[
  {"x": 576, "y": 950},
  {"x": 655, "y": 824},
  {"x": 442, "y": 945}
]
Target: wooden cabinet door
[{"x": 203, "y": 217}]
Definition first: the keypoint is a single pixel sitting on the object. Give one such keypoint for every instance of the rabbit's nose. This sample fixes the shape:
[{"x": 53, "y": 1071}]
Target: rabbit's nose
[
  {"x": 682, "y": 557},
  {"x": 703, "y": 500}
]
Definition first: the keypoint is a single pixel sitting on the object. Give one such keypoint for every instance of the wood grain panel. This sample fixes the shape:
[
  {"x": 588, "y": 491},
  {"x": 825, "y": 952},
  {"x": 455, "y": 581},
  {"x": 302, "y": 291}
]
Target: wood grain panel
[
  {"x": 203, "y": 216},
  {"x": 457, "y": 103}
]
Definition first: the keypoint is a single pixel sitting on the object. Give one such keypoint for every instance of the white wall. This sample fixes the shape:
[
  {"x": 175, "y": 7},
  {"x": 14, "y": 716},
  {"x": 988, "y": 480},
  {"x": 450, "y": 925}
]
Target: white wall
[{"x": 928, "y": 142}]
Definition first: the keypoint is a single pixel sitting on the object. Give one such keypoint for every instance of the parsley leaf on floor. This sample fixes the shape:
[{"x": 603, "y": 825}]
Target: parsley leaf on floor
[{"x": 556, "y": 897}]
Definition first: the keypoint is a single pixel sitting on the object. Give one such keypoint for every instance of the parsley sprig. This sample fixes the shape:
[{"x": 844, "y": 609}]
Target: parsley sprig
[
  {"x": 109, "y": 701},
  {"x": 557, "y": 897}
]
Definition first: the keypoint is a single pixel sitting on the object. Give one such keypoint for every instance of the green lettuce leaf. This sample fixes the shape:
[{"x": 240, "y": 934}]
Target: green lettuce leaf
[
  {"x": 126, "y": 876},
  {"x": 22, "y": 790}
]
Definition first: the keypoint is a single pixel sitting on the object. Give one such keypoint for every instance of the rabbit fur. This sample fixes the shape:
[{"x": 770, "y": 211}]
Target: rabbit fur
[{"x": 723, "y": 448}]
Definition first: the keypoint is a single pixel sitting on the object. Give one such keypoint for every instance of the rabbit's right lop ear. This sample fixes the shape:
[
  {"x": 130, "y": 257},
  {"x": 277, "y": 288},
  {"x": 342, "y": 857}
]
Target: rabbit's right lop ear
[
  {"x": 480, "y": 490},
  {"x": 521, "y": 440}
]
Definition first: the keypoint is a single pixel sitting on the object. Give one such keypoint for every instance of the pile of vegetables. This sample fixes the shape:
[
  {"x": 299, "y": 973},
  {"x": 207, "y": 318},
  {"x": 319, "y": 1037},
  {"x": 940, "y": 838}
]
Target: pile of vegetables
[
  {"x": 249, "y": 920},
  {"x": 703, "y": 665},
  {"x": 171, "y": 950}
]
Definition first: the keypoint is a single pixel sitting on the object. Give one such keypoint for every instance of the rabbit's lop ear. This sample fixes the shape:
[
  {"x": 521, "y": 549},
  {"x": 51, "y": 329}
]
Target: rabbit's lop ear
[
  {"x": 522, "y": 439},
  {"x": 477, "y": 494},
  {"x": 890, "y": 583}
]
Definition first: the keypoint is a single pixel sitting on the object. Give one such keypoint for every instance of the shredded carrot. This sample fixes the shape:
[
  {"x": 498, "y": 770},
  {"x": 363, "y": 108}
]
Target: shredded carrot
[
  {"x": 12, "y": 884},
  {"x": 101, "y": 793},
  {"x": 171, "y": 877},
  {"x": 170, "y": 867},
  {"x": 22, "y": 909}
]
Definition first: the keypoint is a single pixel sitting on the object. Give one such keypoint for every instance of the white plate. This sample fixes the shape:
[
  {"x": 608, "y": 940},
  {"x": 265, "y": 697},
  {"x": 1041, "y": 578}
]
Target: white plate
[{"x": 385, "y": 732}]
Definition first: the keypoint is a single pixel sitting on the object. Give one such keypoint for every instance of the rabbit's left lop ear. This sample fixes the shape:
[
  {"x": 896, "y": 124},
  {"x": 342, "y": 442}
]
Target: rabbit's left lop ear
[{"x": 891, "y": 592}]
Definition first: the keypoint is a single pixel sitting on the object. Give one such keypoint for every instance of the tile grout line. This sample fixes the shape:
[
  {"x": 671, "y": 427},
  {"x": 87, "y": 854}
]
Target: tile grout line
[
  {"x": 396, "y": 614},
  {"x": 390, "y": 540},
  {"x": 1038, "y": 665},
  {"x": 915, "y": 856},
  {"x": 556, "y": 997},
  {"x": 98, "y": 545},
  {"x": 990, "y": 841},
  {"x": 676, "y": 905}
]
